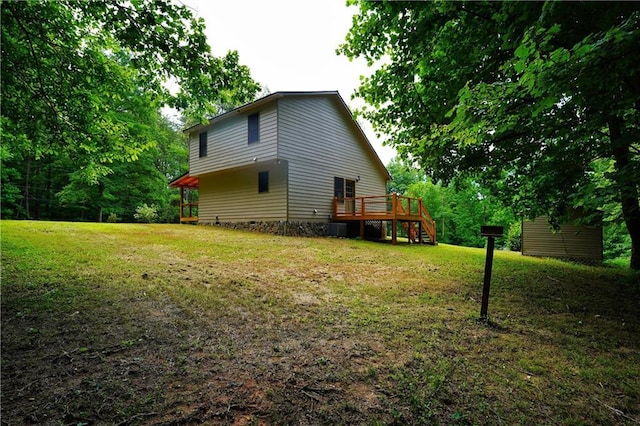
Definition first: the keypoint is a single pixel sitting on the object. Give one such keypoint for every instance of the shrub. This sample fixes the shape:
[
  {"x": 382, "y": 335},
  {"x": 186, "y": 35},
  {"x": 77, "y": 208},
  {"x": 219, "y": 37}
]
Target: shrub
[
  {"x": 113, "y": 218},
  {"x": 147, "y": 214},
  {"x": 617, "y": 242}
]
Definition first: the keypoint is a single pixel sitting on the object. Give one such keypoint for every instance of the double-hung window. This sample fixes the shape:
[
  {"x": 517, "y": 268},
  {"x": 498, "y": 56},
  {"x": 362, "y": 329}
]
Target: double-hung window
[
  {"x": 263, "y": 182},
  {"x": 203, "y": 144},
  {"x": 253, "y": 126},
  {"x": 338, "y": 188}
]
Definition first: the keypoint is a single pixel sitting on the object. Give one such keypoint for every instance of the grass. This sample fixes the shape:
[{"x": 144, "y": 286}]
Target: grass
[{"x": 164, "y": 324}]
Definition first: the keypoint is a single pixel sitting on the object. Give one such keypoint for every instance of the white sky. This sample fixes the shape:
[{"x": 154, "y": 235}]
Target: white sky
[{"x": 289, "y": 45}]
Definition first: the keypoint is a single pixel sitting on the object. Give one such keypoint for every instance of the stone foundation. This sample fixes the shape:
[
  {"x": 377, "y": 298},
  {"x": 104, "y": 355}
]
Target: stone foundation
[{"x": 294, "y": 229}]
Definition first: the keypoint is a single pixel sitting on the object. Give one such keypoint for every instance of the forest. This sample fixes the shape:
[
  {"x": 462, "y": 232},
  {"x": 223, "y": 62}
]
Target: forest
[
  {"x": 84, "y": 87},
  {"x": 499, "y": 111},
  {"x": 538, "y": 103}
]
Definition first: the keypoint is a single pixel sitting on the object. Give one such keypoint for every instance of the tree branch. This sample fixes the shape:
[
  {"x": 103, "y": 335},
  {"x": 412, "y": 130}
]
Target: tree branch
[{"x": 36, "y": 60}]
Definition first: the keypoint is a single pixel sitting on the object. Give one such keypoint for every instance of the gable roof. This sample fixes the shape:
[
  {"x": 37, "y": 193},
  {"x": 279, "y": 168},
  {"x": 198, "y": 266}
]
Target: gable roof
[{"x": 277, "y": 95}]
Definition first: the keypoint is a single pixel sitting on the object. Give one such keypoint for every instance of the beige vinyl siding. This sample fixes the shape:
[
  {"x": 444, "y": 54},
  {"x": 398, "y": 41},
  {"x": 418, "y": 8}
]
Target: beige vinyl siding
[
  {"x": 321, "y": 142},
  {"x": 233, "y": 195},
  {"x": 228, "y": 145},
  {"x": 578, "y": 243}
]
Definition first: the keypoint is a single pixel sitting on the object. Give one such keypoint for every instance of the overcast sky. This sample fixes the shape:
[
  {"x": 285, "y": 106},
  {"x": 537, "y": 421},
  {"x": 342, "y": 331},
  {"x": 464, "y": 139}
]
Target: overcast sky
[{"x": 289, "y": 45}]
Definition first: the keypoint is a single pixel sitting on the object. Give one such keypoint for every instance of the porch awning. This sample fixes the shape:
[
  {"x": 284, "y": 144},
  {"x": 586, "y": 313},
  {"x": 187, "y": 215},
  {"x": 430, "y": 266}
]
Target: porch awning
[{"x": 185, "y": 181}]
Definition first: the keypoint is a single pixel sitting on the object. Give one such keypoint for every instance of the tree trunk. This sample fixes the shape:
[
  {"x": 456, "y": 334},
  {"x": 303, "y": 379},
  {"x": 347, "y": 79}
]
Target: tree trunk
[
  {"x": 100, "y": 195},
  {"x": 47, "y": 193},
  {"x": 37, "y": 191},
  {"x": 627, "y": 186},
  {"x": 26, "y": 194}
]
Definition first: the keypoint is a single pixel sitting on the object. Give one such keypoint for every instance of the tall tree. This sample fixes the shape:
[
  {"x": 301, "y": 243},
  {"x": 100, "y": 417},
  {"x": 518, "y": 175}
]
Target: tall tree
[
  {"x": 527, "y": 97},
  {"x": 403, "y": 174},
  {"x": 132, "y": 183},
  {"x": 85, "y": 79},
  {"x": 459, "y": 208}
]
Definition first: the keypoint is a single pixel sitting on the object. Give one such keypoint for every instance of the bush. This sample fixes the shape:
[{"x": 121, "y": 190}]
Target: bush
[
  {"x": 514, "y": 237},
  {"x": 617, "y": 242},
  {"x": 113, "y": 218},
  {"x": 146, "y": 214}
]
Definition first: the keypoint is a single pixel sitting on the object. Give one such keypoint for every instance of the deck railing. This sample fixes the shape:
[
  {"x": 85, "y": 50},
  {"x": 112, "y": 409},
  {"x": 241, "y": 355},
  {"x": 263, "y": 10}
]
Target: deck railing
[
  {"x": 361, "y": 206},
  {"x": 392, "y": 207},
  {"x": 189, "y": 212}
]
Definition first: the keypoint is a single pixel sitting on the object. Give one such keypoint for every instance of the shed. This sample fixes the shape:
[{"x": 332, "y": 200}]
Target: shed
[{"x": 576, "y": 243}]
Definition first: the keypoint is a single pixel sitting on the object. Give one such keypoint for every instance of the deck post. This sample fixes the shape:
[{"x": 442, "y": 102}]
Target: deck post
[
  {"x": 394, "y": 231},
  {"x": 181, "y": 203},
  {"x": 362, "y": 229},
  {"x": 394, "y": 221},
  {"x": 420, "y": 239},
  {"x": 394, "y": 204}
]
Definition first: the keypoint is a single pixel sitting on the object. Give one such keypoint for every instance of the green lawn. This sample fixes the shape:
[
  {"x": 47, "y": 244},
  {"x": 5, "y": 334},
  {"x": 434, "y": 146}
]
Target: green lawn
[{"x": 168, "y": 324}]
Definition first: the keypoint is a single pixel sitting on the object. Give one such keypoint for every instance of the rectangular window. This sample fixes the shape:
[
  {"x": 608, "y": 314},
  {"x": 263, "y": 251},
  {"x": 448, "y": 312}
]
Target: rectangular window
[
  {"x": 263, "y": 182},
  {"x": 338, "y": 187},
  {"x": 254, "y": 127},
  {"x": 203, "y": 144}
]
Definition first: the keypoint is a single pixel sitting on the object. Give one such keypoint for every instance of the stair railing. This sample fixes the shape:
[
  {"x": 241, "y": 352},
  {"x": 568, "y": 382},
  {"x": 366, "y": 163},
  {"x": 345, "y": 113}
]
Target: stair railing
[{"x": 428, "y": 223}]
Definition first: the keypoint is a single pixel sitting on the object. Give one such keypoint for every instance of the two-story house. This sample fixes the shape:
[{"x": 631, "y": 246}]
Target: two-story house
[{"x": 279, "y": 162}]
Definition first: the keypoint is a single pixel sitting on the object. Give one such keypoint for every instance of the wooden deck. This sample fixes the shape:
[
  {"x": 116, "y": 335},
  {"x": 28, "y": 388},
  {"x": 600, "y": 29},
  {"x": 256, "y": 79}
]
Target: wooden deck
[
  {"x": 188, "y": 211},
  {"x": 410, "y": 213}
]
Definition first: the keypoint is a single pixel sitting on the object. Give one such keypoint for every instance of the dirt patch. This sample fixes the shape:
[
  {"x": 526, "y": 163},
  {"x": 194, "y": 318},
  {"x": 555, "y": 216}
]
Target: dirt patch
[{"x": 142, "y": 360}]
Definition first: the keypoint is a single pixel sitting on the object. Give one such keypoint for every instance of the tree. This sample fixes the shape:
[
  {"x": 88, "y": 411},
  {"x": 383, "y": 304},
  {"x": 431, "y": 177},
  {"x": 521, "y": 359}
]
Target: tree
[
  {"x": 404, "y": 175},
  {"x": 84, "y": 80},
  {"x": 459, "y": 208},
  {"x": 143, "y": 181},
  {"x": 526, "y": 97}
]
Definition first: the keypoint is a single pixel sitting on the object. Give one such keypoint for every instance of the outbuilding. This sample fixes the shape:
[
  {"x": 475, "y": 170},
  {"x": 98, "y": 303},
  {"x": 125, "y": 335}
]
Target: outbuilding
[{"x": 576, "y": 243}]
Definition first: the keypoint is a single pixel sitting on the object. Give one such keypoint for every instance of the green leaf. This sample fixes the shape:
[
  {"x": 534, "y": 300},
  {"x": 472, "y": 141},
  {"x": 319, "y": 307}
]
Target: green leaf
[{"x": 522, "y": 51}]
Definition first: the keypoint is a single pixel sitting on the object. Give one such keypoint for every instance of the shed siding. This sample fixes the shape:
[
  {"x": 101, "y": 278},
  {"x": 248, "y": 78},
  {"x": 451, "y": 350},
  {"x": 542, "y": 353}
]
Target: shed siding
[
  {"x": 233, "y": 195},
  {"x": 578, "y": 243},
  {"x": 228, "y": 145},
  {"x": 321, "y": 142}
]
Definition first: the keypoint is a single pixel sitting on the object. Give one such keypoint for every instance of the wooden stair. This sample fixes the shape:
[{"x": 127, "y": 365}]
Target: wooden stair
[
  {"x": 423, "y": 229},
  {"x": 418, "y": 232}
]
